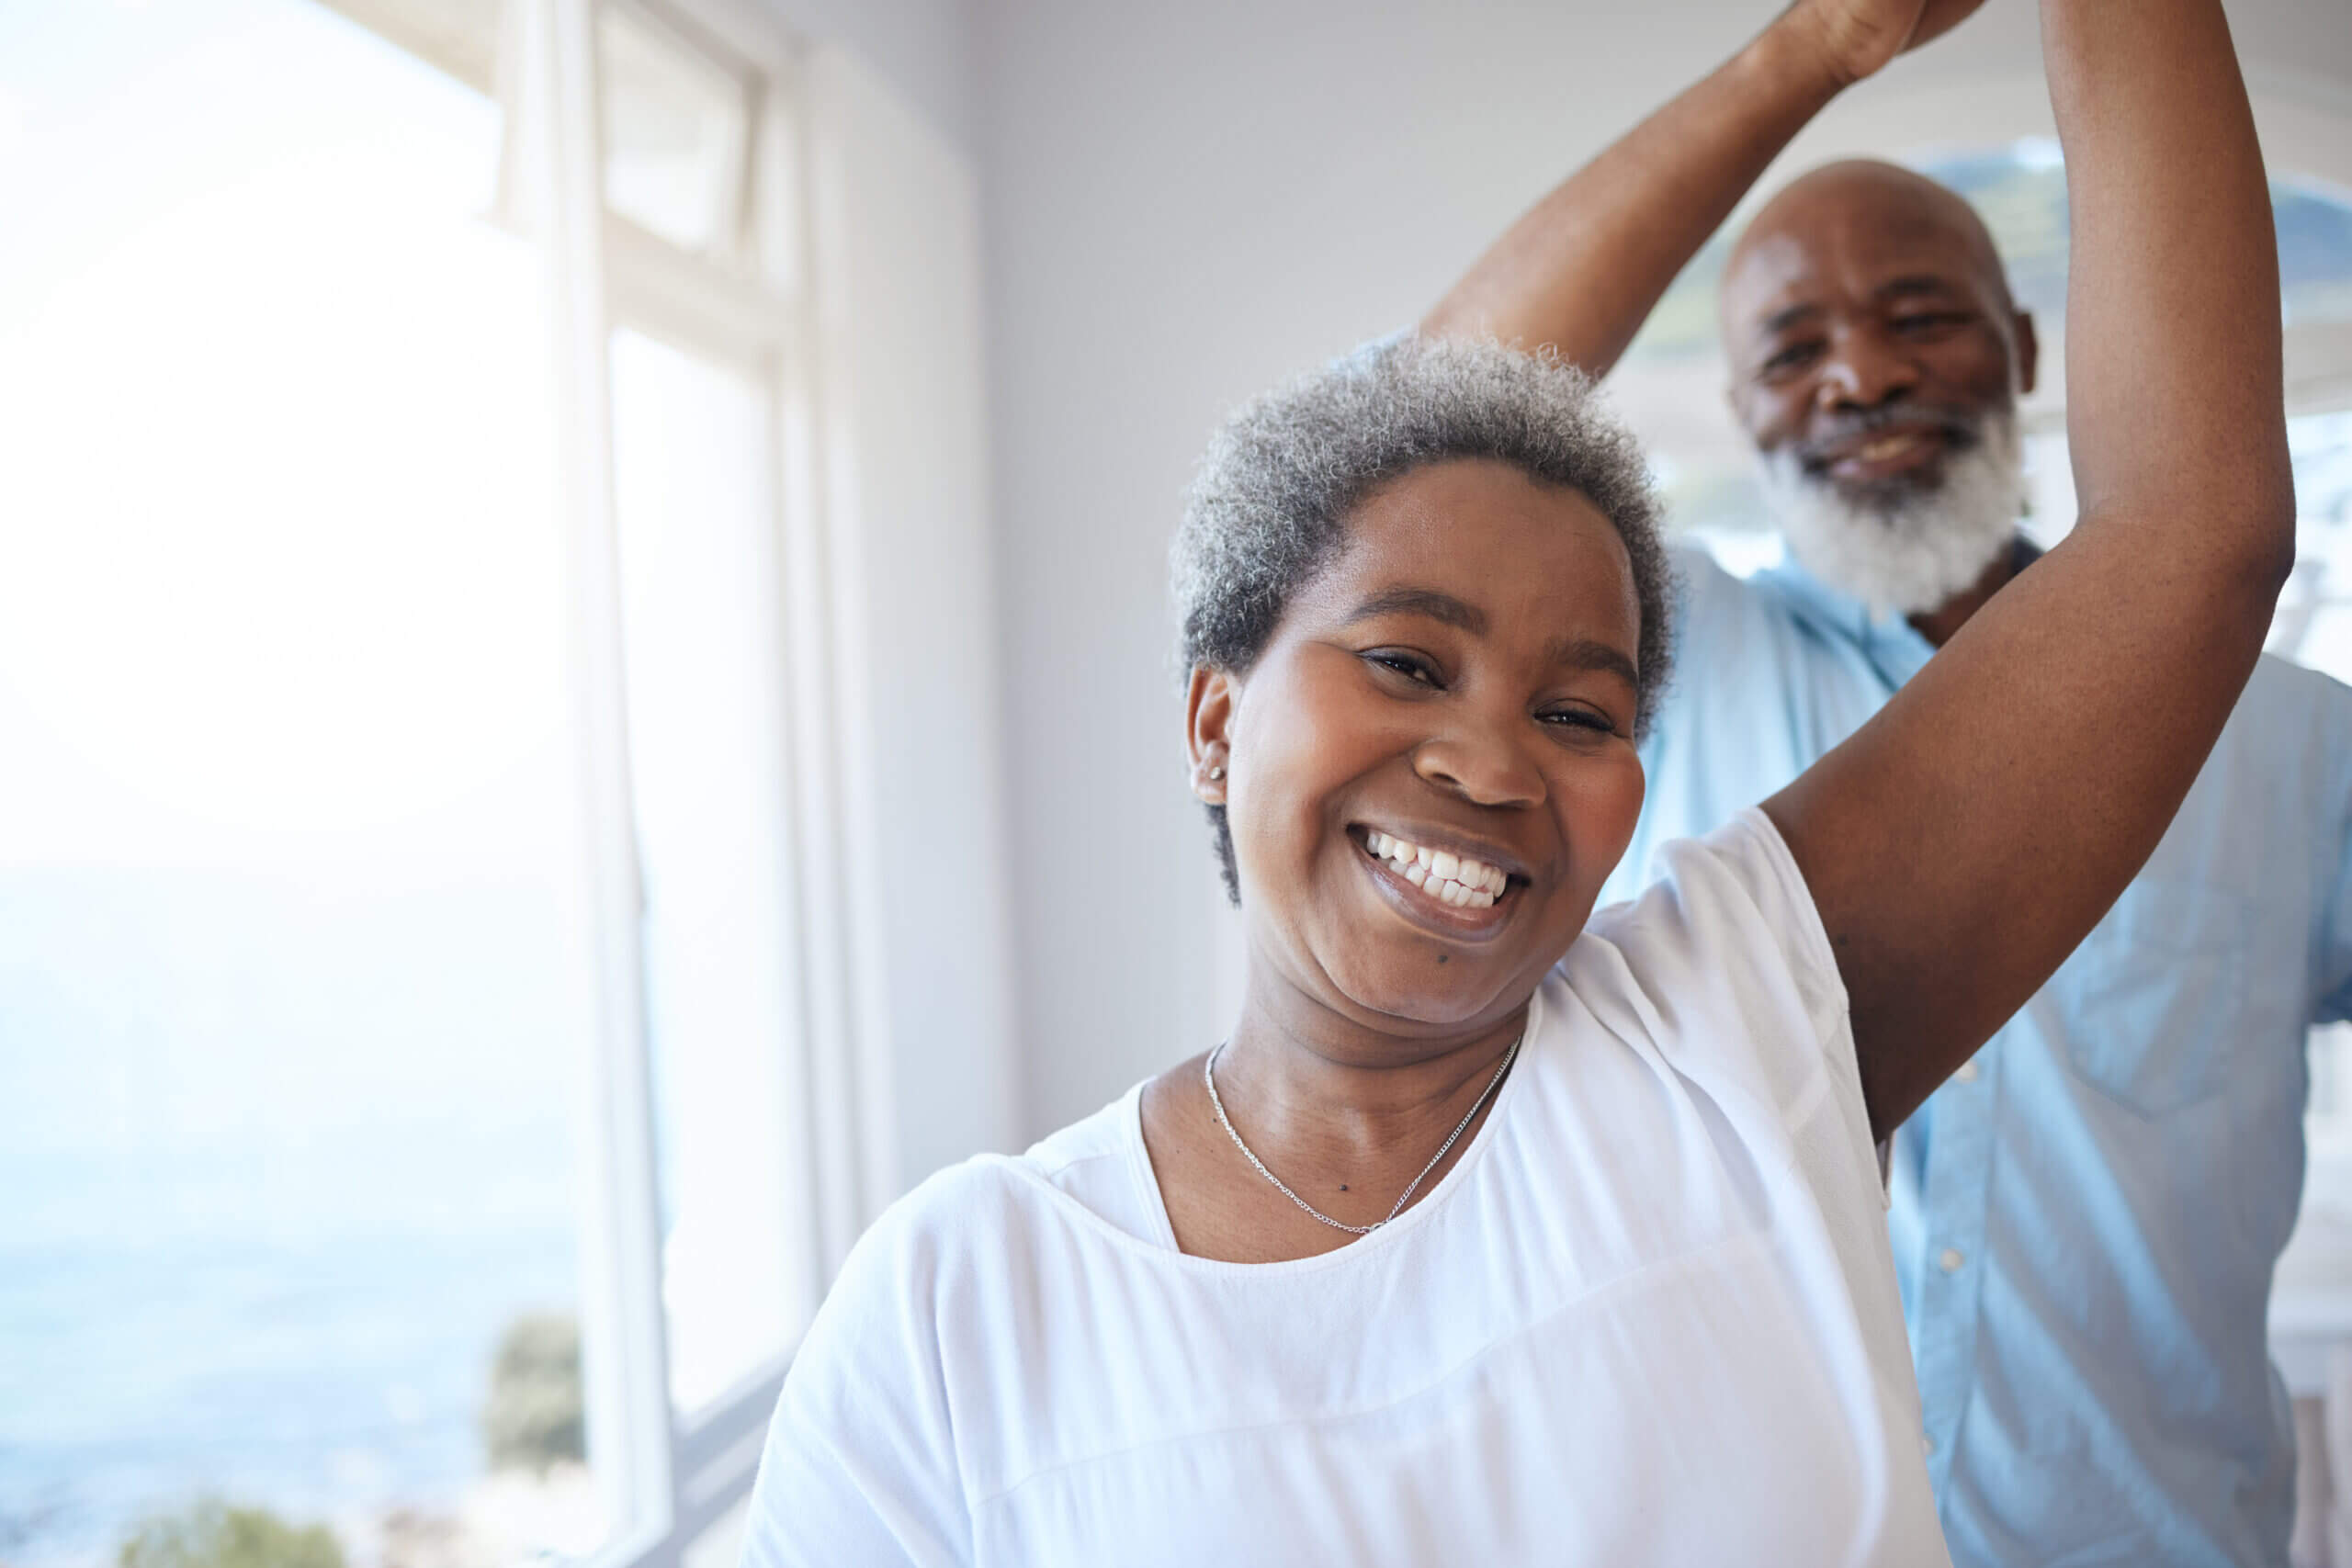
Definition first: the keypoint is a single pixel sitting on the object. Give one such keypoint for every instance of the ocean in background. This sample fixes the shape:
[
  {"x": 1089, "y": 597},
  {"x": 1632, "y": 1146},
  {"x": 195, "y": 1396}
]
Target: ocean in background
[
  {"x": 278, "y": 1164},
  {"x": 327, "y": 1378}
]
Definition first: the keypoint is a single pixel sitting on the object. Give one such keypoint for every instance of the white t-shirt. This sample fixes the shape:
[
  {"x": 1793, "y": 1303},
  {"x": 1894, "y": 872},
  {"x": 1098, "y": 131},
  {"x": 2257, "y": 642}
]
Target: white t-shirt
[{"x": 1648, "y": 1317}]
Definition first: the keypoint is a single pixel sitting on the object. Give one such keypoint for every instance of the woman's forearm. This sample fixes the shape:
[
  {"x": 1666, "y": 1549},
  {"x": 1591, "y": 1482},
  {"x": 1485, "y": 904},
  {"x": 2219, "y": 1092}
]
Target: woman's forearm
[
  {"x": 1582, "y": 270},
  {"x": 2175, "y": 415}
]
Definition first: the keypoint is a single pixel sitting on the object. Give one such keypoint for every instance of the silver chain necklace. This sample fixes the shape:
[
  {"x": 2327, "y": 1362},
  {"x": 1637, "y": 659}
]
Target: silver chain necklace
[{"x": 1208, "y": 1076}]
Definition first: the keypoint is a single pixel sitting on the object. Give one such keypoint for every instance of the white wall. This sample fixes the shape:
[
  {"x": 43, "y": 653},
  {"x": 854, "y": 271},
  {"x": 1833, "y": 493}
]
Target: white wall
[
  {"x": 1184, "y": 203},
  {"x": 924, "y": 51},
  {"x": 898, "y": 221}
]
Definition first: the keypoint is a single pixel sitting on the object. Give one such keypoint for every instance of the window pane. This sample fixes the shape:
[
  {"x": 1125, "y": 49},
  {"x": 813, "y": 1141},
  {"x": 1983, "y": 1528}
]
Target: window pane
[
  {"x": 707, "y": 725},
  {"x": 288, "y": 1004},
  {"x": 675, "y": 126}
]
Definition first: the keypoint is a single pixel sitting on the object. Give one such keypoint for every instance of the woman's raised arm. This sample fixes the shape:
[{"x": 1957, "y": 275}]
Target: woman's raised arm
[
  {"x": 1963, "y": 841},
  {"x": 1582, "y": 268}
]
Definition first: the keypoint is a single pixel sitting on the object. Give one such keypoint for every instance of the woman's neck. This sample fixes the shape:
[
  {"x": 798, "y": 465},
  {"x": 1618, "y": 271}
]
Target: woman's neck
[
  {"x": 1346, "y": 1117},
  {"x": 1323, "y": 1090}
]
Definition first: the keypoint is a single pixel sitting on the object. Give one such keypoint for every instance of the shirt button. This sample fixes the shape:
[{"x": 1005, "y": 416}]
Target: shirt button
[
  {"x": 1967, "y": 1072},
  {"x": 1950, "y": 1260}
]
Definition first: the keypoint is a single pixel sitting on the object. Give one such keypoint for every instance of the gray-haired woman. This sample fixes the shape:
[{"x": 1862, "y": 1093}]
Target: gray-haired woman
[{"x": 1500, "y": 1230}]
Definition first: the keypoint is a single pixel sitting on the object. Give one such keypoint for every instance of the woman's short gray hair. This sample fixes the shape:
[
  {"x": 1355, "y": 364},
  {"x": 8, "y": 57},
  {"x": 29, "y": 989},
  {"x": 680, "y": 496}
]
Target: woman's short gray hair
[{"x": 1271, "y": 502}]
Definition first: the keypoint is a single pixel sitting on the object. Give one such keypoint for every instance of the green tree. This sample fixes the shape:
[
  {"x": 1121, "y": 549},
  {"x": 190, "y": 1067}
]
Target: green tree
[
  {"x": 533, "y": 1417},
  {"x": 210, "y": 1534}
]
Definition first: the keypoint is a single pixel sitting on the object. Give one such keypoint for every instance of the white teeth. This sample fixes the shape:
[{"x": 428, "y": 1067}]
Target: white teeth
[{"x": 1455, "y": 879}]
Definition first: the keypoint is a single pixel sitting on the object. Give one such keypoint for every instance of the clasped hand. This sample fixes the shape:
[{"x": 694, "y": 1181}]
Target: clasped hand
[{"x": 1856, "y": 38}]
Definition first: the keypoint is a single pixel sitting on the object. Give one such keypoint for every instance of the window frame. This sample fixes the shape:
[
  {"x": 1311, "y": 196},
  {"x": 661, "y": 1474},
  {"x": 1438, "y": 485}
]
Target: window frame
[{"x": 665, "y": 1476}]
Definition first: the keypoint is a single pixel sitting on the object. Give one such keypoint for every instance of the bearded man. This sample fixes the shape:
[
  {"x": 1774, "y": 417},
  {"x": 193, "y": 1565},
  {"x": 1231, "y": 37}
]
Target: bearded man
[{"x": 2086, "y": 1217}]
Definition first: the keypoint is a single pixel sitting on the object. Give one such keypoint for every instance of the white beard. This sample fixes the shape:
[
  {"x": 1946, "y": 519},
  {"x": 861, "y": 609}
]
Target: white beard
[{"x": 1912, "y": 556}]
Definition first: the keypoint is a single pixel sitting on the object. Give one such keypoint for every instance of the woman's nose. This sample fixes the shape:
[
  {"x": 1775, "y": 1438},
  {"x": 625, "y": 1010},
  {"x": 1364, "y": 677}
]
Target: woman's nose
[{"x": 1485, "y": 769}]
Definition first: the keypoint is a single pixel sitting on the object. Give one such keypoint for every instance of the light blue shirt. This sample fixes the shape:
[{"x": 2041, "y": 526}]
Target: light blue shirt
[{"x": 2086, "y": 1218}]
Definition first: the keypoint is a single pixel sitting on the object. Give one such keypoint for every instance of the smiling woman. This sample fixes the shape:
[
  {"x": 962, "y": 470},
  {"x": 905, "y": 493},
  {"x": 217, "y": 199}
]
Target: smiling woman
[{"x": 1501, "y": 1228}]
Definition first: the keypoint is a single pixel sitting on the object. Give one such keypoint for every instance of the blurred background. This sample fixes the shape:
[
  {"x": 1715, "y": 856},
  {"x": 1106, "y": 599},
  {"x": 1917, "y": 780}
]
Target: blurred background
[{"x": 584, "y": 691}]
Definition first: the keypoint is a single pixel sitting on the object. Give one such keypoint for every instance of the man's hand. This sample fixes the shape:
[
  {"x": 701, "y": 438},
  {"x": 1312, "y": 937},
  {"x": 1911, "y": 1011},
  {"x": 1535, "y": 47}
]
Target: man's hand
[{"x": 1857, "y": 38}]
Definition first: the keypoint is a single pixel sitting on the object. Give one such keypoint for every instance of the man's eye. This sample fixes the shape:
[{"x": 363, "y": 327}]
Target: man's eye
[
  {"x": 1791, "y": 358},
  {"x": 1928, "y": 321}
]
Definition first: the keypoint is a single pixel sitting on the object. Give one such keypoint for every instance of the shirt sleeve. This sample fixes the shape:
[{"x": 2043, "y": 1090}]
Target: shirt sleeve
[
  {"x": 1723, "y": 969},
  {"x": 1729, "y": 970},
  {"x": 860, "y": 1465},
  {"x": 1751, "y": 848}
]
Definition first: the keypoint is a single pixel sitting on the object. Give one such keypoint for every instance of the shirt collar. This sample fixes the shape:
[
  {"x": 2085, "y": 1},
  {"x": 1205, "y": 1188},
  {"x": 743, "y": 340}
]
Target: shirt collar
[{"x": 1885, "y": 637}]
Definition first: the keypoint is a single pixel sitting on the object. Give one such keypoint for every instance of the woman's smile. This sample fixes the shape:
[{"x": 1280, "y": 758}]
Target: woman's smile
[{"x": 1441, "y": 884}]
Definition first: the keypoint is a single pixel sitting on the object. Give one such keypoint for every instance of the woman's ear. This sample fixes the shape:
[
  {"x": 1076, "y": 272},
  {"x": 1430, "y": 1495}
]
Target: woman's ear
[{"x": 1208, "y": 718}]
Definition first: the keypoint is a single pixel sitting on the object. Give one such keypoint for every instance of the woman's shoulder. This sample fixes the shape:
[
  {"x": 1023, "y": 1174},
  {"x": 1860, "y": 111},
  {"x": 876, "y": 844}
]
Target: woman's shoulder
[
  {"x": 969, "y": 1213},
  {"x": 943, "y": 1222},
  {"x": 1726, "y": 938}
]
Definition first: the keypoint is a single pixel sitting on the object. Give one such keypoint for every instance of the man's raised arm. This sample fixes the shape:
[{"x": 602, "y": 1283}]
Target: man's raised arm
[
  {"x": 1582, "y": 270},
  {"x": 1963, "y": 840}
]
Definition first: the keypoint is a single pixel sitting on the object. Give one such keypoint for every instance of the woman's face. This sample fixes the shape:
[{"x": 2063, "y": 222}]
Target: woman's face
[{"x": 1457, "y": 686}]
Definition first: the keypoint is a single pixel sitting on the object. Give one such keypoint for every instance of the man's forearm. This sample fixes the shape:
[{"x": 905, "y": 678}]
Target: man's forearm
[
  {"x": 2175, "y": 413},
  {"x": 1582, "y": 270}
]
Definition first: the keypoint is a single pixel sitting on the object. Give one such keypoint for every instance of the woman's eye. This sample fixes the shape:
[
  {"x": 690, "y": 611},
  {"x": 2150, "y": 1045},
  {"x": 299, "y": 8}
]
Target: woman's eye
[
  {"x": 1581, "y": 718},
  {"x": 1410, "y": 666}
]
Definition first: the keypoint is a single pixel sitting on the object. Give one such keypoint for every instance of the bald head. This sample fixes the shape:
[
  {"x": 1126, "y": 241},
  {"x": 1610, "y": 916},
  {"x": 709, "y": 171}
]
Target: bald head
[{"x": 1812, "y": 211}]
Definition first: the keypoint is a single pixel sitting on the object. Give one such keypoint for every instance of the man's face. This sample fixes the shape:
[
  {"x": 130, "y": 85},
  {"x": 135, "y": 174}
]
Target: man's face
[
  {"x": 1876, "y": 362},
  {"x": 1870, "y": 336}
]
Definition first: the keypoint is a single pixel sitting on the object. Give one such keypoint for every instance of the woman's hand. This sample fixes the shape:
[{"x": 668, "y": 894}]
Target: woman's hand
[{"x": 1856, "y": 38}]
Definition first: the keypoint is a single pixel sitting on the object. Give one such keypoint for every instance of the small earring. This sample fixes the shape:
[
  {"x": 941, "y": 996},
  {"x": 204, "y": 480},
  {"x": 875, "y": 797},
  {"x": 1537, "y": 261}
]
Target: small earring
[{"x": 1216, "y": 773}]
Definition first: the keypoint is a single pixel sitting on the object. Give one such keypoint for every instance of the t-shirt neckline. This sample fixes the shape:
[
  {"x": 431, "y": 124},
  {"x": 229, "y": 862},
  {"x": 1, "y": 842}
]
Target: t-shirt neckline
[{"x": 1155, "y": 1203}]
